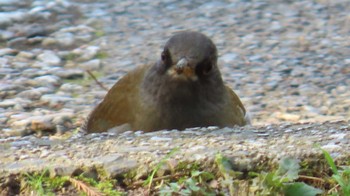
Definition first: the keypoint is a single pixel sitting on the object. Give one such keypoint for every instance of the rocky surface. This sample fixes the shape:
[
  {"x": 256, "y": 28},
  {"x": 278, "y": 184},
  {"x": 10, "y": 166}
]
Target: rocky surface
[
  {"x": 247, "y": 147},
  {"x": 288, "y": 61}
]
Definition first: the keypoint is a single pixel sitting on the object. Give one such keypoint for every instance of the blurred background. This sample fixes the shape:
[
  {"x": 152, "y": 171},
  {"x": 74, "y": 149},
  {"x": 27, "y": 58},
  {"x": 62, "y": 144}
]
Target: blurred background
[{"x": 289, "y": 61}]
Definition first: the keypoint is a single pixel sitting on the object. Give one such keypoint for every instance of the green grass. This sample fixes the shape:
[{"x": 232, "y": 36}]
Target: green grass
[
  {"x": 218, "y": 178},
  {"x": 195, "y": 184},
  {"x": 70, "y": 57},
  {"x": 341, "y": 176},
  {"x": 99, "y": 33},
  {"x": 43, "y": 184},
  {"x": 283, "y": 181},
  {"x": 279, "y": 182},
  {"x": 101, "y": 55},
  {"x": 105, "y": 186},
  {"x": 148, "y": 182}
]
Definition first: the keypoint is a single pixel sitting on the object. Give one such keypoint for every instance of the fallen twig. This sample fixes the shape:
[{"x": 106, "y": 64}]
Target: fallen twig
[
  {"x": 88, "y": 190},
  {"x": 311, "y": 178},
  {"x": 93, "y": 77}
]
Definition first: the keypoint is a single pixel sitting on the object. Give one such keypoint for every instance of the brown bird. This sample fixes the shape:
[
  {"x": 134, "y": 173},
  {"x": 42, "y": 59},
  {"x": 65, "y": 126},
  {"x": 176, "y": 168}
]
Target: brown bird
[{"x": 183, "y": 89}]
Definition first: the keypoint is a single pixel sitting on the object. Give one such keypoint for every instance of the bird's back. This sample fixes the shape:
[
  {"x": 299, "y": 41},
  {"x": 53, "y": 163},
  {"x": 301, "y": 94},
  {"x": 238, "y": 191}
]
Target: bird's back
[{"x": 118, "y": 106}]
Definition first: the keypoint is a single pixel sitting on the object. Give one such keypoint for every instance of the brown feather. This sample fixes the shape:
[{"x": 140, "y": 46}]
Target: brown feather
[
  {"x": 152, "y": 98},
  {"x": 119, "y": 105}
]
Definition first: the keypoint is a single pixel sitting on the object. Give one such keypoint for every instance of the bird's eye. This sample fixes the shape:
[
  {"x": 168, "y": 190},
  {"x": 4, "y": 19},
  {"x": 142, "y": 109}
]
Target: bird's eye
[
  {"x": 165, "y": 55},
  {"x": 166, "y": 58},
  {"x": 204, "y": 67},
  {"x": 207, "y": 68}
]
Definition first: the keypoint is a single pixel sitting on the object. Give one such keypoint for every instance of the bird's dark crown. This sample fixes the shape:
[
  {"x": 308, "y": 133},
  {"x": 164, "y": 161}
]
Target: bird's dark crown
[{"x": 191, "y": 51}]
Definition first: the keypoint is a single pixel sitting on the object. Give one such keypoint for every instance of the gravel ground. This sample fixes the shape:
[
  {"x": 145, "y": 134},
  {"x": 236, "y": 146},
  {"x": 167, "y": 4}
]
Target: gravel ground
[{"x": 288, "y": 60}]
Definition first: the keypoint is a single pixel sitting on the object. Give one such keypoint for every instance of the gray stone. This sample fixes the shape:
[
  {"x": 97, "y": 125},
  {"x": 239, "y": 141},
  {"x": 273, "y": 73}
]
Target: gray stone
[
  {"x": 37, "y": 123},
  {"x": 35, "y": 30},
  {"x": 116, "y": 167},
  {"x": 94, "y": 64},
  {"x": 11, "y": 2},
  {"x": 229, "y": 57},
  {"x": 7, "y": 51},
  {"x": 17, "y": 131},
  {"x": 70, "y": 73},
  {"x": 7, "y": 71},
  {"x": 63, "y": 118},
  {"x": 4, "y": 62},
  {"x": 156, "y": 138},
  {"x": 18, "y": 42},
  {"x": 45, "y": 90},
  {"x": 87, "y": 53},
  {"x": 32, "y": 94},
  {"x": 48, "y": 80},
  {"x": 72, "y": 88},
  {"x": 49, "y": 42},
  {"x": 7, "y": 18},
  {"x": 61, "y": 170},
  {"x": 33, "y": 72},
  {"x": 20, "y": 143},
  {"x": 41, "y": 123},
  {"x": 65, "y": 39},
  {"x": 28, "y": 164},
  {"x": 78, "y": 29},
  {"x": 54, "y": 99},
  {"x": 25, "y": 55},
  {"x": 7, "y": 103},
  {"x": 6, "y": 35},
  {"x": 49, "y": 58}
]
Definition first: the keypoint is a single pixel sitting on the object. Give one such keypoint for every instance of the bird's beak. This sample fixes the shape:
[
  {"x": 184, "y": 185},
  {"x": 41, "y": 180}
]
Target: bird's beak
[
  {"x": 184, "y": 69},
  {"x": 181, "y": 63}
]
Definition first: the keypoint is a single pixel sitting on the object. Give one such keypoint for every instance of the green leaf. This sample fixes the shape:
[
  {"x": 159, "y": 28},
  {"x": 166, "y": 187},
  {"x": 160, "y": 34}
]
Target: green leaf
[
  {"x": 174, "y": 186},
  {"x": 330, "y": 161},
  {"x": 202, "y": 175},
  {"x": 340, "y": 180},
  {"x": 300, "y": 188},
  {"x": 165, "y": 191},
  {"x": 192, "y": 185},
  {"x": 289, "y": 167},
  {"x": 346, "y": 170},
  {"x": 149, "y": 179},
  {"x": 345, "y": 179},
  {"x": 195, "y": 173},
  {"x": 223, "y": 163},
  {"x": 185, "y": 192}
]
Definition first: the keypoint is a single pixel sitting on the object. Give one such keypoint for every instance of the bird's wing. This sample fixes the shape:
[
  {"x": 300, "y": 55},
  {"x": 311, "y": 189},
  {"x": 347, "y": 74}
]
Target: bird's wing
[
  {"x": 118, "y": 106},
  {"x": 239, "y": 112}
]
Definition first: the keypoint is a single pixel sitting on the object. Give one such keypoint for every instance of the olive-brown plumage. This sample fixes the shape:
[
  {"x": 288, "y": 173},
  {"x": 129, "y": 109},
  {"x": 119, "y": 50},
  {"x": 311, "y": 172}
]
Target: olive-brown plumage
[{"x": 183, "y": 89}]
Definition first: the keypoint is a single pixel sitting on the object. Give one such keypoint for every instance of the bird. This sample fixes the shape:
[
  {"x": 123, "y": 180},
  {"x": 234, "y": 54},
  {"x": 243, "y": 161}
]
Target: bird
[{"x": 183, "y": 89}]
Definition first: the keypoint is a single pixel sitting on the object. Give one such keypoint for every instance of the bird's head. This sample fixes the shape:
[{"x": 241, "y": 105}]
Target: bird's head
[{"x": 188, "y": 56}]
